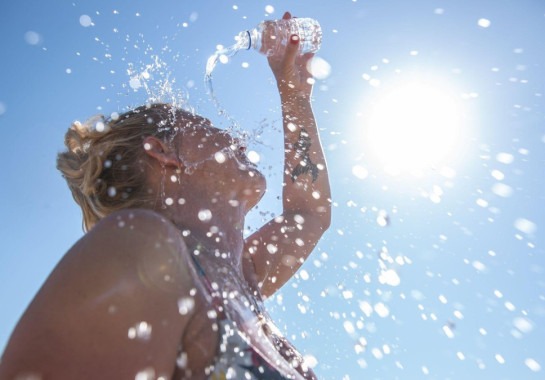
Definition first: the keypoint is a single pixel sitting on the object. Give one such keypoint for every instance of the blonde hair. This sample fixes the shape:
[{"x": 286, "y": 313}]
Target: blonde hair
[{"x": 103, "y": 163}]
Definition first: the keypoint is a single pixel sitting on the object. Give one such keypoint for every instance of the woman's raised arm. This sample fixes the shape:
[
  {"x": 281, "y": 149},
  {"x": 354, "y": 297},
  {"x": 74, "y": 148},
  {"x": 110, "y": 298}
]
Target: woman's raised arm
[{"x": 280, "y": 247}]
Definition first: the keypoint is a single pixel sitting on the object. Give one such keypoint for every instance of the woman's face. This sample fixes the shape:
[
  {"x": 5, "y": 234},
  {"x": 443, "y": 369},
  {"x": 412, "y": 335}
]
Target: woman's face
[{"x": 214, "y": 152}]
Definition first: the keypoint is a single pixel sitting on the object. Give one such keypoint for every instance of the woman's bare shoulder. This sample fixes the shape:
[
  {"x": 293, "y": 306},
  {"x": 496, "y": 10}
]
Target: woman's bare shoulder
[
  {"x": 128, "y": 272},
  {"x": 133, "y": 232},
  {"x": 136, "y": 221}
]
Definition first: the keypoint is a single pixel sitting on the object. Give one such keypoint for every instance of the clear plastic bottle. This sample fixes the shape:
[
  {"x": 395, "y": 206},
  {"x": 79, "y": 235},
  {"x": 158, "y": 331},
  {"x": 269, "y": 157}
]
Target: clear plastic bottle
[{"x": 271, "y": 37}]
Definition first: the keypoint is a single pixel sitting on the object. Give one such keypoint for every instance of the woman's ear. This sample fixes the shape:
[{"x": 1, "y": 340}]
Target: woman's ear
[{"x": 160, "y": 151}]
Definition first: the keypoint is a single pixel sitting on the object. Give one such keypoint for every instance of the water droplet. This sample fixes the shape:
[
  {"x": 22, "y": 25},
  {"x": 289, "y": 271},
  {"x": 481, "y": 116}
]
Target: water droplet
[
  {"x": 502, "y": 190},
  {"x": 381, "y": 309},
  {"x": 135, "y": 83},
  {"x": 272, "y": 248},
  {"x": 181, "y": 360},
  {"x": 347, "y": 294},
  {"x": 525, "y": 225},
  {"x": 377, "y": 353},
  {"x": 319, "y": 68},
  {"x": 99, "y": 126},
  {"x": 481, "y": 202},
  {"x": 532, "y": 364},
  {"x": 505, "y": 158},
  {"x": 366, "y": 308},
  {"x": 288, "y": 260},
  {"x": 304, "y": 275},
  {"x": 310, "y": 361},
  {"x": 186, "y": 305},
  {"x": 349, "y": 327},
  {"x": 145, "y": 374},
  {"x": 112, "y": 191},
  {"x": 85, "y": 21},
  {"x": 32, "y": 37},
  {"x": 389, "y": 277},
  {"x": 448, "y": 331},
  {"x": 509, "y": 306},
  {"x": 269, "y": 9},
  {"x": 479, "y": 266},
  {"x": 498, "y": 175},
  {"x": 220, "y": 157},
  {"x": 141, "y": 330},
  {"x": 483, "y": 23},
  {"x": 253, "y": 156},
  {"x": 523, "y": 324},
  {"x": 359, "y": 172},
  {"x": 205, "y": 215},
  {"x": 499, "y": 359},
  {"x": 383, "y": 219}
]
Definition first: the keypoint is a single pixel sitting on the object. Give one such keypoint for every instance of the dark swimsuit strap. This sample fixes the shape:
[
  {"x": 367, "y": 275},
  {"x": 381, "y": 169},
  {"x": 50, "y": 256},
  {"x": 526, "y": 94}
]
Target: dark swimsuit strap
[{"x": 214, "y": 294}]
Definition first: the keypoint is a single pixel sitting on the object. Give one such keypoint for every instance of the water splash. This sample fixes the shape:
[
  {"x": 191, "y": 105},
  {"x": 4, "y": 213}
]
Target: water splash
[
  {"x": 224, "y": 53},
  {"x": 155, "y": 80}
]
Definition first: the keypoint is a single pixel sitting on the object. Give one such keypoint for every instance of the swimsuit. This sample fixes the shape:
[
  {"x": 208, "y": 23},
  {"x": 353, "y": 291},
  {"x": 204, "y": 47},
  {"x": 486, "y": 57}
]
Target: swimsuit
[{"x": 236, "y": 358}]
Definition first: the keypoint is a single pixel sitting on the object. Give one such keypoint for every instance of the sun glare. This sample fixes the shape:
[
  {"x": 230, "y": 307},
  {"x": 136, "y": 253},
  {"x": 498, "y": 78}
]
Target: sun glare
[{"x": 414, "y": 127}]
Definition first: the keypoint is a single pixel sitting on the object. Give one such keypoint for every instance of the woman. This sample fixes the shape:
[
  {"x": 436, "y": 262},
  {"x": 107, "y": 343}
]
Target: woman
[{"x": 163, "y": 285}]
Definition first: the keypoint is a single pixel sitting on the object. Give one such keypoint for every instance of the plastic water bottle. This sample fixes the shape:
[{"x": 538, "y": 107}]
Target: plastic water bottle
[{"x": 271, "y": 37}]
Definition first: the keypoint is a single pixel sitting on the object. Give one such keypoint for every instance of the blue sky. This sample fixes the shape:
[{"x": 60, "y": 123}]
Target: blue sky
[{"x": 437, "y": 274}]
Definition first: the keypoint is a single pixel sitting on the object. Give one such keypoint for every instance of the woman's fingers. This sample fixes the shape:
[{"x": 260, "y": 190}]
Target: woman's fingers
[{"x": 291, "y": 51}]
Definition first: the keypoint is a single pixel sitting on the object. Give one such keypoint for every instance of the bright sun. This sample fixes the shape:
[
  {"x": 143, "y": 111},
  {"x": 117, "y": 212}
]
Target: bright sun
[{"x": 415, "y": 127}]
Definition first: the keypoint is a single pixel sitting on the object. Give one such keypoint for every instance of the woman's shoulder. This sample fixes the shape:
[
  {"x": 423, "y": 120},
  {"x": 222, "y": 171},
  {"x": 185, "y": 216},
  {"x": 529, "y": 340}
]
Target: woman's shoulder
[
  {"x": 104, "y": 285},
  {"x": 135, "y": 235},
  {"x": 136, "y": 227},
  {"x": 136, "y": 220}
]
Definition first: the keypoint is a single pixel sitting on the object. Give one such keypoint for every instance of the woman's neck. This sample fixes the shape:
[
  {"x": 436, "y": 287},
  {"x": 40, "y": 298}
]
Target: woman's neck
[{"x": 215, "y": 232}]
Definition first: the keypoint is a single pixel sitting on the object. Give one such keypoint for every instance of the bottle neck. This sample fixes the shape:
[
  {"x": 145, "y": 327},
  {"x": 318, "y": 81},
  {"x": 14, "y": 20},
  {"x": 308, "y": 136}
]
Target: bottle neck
[
  {"x": 254, "y": 39},
  {"x": 244, "y": 40},
  {"x": 250, "y": 42}
]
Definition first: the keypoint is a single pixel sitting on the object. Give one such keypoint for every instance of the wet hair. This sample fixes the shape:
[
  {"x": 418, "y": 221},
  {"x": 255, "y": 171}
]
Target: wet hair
[{"x": 103, "y": 165}]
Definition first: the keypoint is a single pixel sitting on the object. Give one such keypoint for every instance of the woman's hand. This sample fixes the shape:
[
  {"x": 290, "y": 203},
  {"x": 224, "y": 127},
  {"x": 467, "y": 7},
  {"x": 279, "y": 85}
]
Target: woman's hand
[{"x": 292, "y": 70}]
